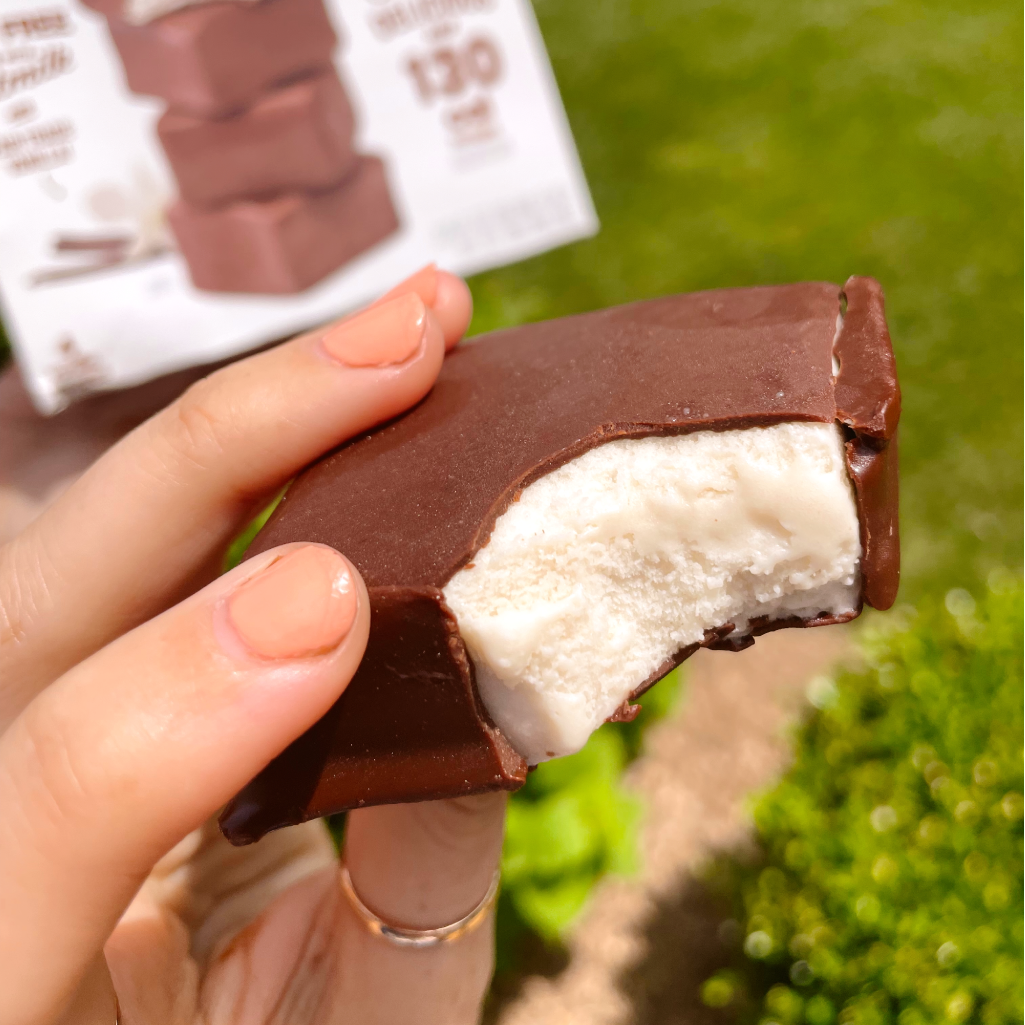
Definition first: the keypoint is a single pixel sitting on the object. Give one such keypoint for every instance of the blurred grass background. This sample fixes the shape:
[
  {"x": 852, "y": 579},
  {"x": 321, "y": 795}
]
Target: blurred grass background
[
  {"x": 747, "y": 142},
  {"x": 886, "y": 885}
]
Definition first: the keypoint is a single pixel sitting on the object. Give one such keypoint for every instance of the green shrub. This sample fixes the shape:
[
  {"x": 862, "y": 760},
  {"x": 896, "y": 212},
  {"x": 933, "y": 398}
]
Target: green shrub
[
  {"x": 889, "y": 886},
  {"x": 572, "y": 823}
]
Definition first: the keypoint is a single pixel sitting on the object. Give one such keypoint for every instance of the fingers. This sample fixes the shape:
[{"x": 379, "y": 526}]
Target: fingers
[
  {"x": 421, "y": 866},
  {"x": 447, "y": 295},
  {"x": 425, "y": 865},
  {"x": 132, "y": 749},
  {"x": 129, "y": 537},
  {"x": 195, "y": 901},
  {"x": 216, "y": 889},
  {"x": 312, "y": 958},
  {"x": 42, "y": 455}
]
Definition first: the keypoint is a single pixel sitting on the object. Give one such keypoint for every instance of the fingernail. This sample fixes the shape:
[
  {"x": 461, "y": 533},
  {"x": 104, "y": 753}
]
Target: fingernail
[
  {"x": 300, "y": 605},
  {"x": 424, "y": 283},
  {"x": 381, "y": 335}
]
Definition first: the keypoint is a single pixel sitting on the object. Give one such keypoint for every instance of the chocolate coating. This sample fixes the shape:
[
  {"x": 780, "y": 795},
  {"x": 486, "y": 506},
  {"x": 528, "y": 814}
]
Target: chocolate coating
[
  {"x": 867, "y": 392},
  {"x": 868, "y": 403},
  {"x": 514, "y": 405},
  {"x": 411, "y": 502},
  {"x": 396, "y": 733}
]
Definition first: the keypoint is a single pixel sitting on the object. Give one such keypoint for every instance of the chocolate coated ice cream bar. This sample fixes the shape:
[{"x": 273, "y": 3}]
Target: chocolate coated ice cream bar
[
  {"x": 298, "y": 137},
  {"x": 286, "y": 244},
  {"x": 216, "y": 59},
  {"x": 576, "y": 508}
]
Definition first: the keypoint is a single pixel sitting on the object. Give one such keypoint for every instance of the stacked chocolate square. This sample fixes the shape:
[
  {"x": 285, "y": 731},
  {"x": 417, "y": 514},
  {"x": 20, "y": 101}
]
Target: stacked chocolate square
[{"x": 258, "y": 132}]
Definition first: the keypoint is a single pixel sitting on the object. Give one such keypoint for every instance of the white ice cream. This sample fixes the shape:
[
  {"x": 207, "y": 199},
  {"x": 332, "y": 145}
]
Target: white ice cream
[{"x": 610, "y": 564}]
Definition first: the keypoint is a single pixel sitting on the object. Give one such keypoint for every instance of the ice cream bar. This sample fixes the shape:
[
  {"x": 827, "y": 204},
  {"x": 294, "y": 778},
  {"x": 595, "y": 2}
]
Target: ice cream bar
[
  {"x": 108, "y": 8},
  {"x": 286, "y": 244},
  {"x": 294, "y": 138},
  {"x": 576, "y": 508},
  {"x": 217, "y": 58},
  {"x": 140, "y": 12}
]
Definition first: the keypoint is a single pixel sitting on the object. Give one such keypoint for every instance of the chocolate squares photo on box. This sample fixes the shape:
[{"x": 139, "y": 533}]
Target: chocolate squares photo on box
[{"x": 272, "y": 196}]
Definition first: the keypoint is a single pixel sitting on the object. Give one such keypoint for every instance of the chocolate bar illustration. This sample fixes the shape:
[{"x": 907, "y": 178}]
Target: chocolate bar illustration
[
  {"x": 747, "y": 434},
  {"x": 259, "y": 135}
]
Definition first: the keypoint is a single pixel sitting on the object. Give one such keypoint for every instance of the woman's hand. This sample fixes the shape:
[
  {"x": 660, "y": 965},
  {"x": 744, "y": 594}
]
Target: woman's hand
[{"x": 139, "y": 691}]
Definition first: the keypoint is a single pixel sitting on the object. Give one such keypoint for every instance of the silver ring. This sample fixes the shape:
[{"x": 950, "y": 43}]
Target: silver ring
[{"x": 420, "y": 937}]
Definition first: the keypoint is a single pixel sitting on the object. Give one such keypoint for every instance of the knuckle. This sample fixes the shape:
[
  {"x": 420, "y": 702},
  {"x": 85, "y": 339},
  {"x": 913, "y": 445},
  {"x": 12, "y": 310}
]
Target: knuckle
[
  {"x": 12, "y": 626},
  {"x": 26, "y": 575},
  {"x": 456, "y": 821},
  {"x": 54, "y": 778},
  {"x": 200, "y": 424}
]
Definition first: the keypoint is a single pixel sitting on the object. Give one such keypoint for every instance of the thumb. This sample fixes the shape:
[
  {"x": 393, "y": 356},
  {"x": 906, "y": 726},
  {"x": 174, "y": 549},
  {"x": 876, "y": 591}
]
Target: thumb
[{"x": 135, "y": 747}]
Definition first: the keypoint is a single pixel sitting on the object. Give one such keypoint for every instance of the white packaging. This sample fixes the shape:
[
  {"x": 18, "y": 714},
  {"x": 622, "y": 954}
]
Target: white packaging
[{"x": 456, "y": 97}]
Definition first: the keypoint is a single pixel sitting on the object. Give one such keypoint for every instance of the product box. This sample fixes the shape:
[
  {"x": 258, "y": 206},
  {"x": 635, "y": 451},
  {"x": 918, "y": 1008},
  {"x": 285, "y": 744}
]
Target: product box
[{"x": 184, "y": 180}]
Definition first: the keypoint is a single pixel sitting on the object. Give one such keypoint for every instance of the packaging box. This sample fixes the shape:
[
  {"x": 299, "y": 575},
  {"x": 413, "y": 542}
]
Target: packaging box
[{"x": 181, "y": 181}]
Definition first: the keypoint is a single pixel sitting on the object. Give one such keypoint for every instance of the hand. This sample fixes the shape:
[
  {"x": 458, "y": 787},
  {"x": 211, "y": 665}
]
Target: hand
[
  {"x": 139, "y": 691},
  {"x": 40, "y": 455}
]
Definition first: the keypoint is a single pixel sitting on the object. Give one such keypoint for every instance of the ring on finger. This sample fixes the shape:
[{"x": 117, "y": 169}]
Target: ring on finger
[{"x": 419, "y": 938}]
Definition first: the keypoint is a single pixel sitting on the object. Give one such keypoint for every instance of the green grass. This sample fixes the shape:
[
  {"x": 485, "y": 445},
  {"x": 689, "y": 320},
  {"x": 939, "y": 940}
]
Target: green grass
[
  {"x": 759, "y": 141},
  {"x": 889, "y": 887}
]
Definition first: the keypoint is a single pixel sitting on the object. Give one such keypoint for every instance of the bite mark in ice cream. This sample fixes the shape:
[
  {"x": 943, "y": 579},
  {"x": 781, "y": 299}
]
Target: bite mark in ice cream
[{"x": 607, "y": 566}]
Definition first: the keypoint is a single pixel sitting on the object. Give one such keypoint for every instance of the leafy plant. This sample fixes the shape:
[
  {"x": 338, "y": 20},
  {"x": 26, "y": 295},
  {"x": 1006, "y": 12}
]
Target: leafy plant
[
  {"x": 572, "y": 823},
  {"x": 889, "y": 887}
]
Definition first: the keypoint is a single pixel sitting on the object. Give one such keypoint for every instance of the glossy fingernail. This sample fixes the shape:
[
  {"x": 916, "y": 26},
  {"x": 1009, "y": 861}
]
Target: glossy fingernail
[
  {"x": 380, "y": 336},
  {"x": 300, "y": 605},
  {"x": 424, "y": 283}
]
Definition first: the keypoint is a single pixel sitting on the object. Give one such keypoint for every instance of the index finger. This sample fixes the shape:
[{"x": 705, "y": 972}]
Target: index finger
[{"x": 130, "y": 537}]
